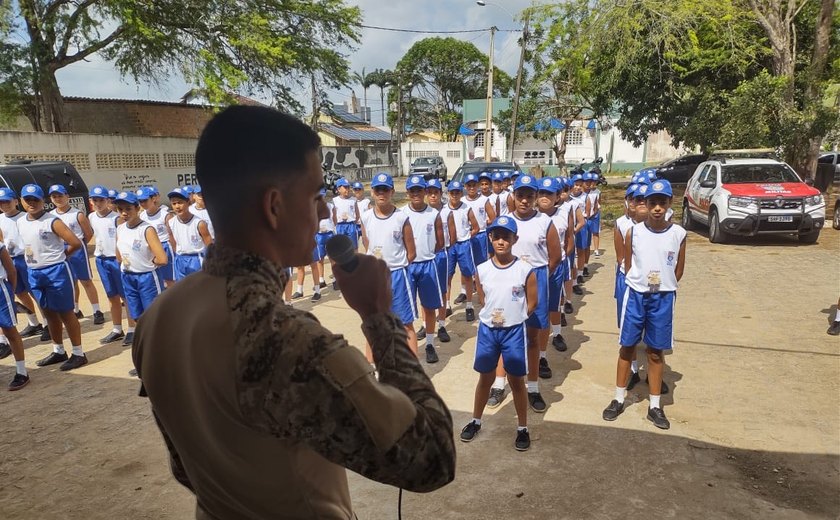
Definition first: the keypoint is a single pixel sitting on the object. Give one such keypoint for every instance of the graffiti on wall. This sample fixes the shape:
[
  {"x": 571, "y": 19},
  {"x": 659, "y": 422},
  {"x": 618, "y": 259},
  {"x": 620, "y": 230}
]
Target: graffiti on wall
[
  {"x": 132, "y": 181},
  {"x": 340, "y": 157}
]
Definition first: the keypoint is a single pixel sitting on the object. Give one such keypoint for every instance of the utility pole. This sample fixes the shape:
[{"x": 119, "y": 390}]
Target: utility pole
[
  {"x": 314, "y": 122},
  {"x": 518, "y": 84},
  {"x": 488, "y": 123}
]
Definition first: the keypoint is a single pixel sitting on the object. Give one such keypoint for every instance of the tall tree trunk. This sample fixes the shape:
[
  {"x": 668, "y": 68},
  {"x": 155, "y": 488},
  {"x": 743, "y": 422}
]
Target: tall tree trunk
[
  {"x": 382, "y": 103},
  {"x": 560, "y": 150},
  {"x": 815, "y": 76},
  {"x": 367, "y": 111},
  {"x": 53, "y": 114}
]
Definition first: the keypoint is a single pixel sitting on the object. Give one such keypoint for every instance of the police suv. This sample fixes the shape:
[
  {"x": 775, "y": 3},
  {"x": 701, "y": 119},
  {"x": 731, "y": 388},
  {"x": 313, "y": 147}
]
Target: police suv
[{"x": 752, "y": 196}]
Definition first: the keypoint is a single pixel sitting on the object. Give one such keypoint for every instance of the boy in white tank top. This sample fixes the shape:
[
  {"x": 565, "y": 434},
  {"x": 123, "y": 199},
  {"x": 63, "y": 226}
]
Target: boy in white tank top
[
  {"x": 464, "y": 226},
  {"x": 654, "y": 260},
  {"x": 434, "y": 194},
  {"x": 362, "y": 203},
  {"x": 346, "y": 212},
  {"x": 326, "y": 230},
  {"x": 189, "y": 235},
  {"x": 79, "y": 262},
  {"x": 156, "y": 214},
  {"x": 8, "y": 319},
  {"x": 200, "y": 210}
]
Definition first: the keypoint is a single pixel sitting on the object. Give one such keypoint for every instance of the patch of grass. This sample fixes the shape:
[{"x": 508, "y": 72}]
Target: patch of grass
[{"x": 612, "y": 204}]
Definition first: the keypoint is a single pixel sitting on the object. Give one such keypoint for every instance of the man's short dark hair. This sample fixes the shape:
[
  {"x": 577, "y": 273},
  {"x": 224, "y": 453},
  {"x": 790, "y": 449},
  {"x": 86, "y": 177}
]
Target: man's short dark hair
[{"x": 244, "y": 149}]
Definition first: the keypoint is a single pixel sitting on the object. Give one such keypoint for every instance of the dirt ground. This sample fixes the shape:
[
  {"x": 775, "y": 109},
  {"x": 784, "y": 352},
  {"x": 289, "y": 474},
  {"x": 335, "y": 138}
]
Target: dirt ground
[{"x": 754, "y": 410}]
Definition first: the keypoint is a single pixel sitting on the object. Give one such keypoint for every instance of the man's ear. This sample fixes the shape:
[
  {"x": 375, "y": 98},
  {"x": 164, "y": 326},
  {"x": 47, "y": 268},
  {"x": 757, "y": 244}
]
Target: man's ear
[{"x": 273, "y": 207}]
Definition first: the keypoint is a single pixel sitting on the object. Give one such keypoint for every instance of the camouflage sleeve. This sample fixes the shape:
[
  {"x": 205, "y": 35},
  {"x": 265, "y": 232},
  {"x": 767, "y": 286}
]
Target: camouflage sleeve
[{"x": 397, "y": 431}]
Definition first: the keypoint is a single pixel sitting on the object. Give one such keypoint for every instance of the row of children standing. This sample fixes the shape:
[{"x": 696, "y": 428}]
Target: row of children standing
[{"x": 140, "y": 248}]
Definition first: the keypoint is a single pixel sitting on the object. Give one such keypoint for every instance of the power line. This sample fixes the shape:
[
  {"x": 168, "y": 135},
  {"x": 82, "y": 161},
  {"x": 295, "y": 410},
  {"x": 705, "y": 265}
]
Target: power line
[{"x": 418, "y": 31}]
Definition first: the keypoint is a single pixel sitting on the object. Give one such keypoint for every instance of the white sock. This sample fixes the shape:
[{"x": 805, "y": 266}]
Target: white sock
[
  {"x": 499, "y": 383},
  {"x": 75, "y": 307},
  {"x": 78, "y": 351},
  {"x": 619, "y": 394},
  {"x": 300, "y": 289},
  {"x": 464, "y": 291},
  {"x": 33, "y": 320},
  {"x": 469, "y": 305},
  {"x": 4, "y": 339},
  {"x": 837, "y": 315},
  {"x": 556, "y": 329},
  {"x": 317, "y": 289},
  {"x": 542, "y": 355},
  {"x": 634, "y": 366},
  {"x": 129, "y": 330},
  {"x": 441, "y": 323},
  {"x": 58, "y": 349},
  {"x": 477, "y": 421},
  {"x": 117, "y": 328},
  {"x": 95, "y": 307},
  {"x": 430, "y": 338},
  {"x": 521, "y": 429},
  {"x": 654, "y": 401},
  {"x": 321, "y": 280},
  {"x": 533, "y": 387},
  {"x": 574, "y": 283},
  {"x": 20, "y": 367}
]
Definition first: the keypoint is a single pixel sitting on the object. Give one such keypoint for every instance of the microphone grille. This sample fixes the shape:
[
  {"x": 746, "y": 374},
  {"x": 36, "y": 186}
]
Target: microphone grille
[{"x": 340, "y": 249}]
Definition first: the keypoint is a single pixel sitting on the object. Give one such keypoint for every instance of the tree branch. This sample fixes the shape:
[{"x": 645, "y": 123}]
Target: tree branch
[
  {"x": 82, "y": 54},
  {"x": 53, "y": 7},
  {"x": 71, "y": 27}
]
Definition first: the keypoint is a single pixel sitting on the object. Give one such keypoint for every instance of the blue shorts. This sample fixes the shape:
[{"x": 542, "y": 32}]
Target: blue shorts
[
  {"x": 110, "y": 275},
  {"x": 572, "y": 264},
  {"x": 351, "y": 230},
  {"x": 320, "y": 251},
  {"x": 141, "y": 289},
  {"x": 442, "y": 264},
  {"x": 479, "y": 247},
  {"x": 583, "y": 238},
  {"x": 426, "y": 282},
  {"x": 648, "y": 316},
  {"x": 555, "y": 287},
  {"x": 539, "y": 318},
  {"x": 461, "y": 253},
  {"x": 402, "y": 301},
  {"x": 8, "y": 319},
  {"x": 186, "y": 265},
  {"x": 620, "y": 286},
  {"x": 508, "y": 342},
  {"x": 167, "y": 272},
  {"x": 594, "y": 224},
  {"x": 80, "y": 265},
  {"x": 52, "y": 287},
  {"x": 358, "y": 231},
  {"x": 22, "y": 275}
]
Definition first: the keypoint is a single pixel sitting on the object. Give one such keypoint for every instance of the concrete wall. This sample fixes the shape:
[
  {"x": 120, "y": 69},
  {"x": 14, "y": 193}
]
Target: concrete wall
[
  {"x": 343, "y": 157},
  {"x": 452, "y": 153}
]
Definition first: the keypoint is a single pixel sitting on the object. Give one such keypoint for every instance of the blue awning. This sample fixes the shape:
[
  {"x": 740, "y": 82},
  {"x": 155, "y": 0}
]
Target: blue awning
[{"x": 465, "y": 130}]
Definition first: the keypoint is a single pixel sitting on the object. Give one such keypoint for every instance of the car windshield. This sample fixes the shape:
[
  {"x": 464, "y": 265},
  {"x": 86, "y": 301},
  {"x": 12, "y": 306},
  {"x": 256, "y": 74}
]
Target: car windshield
[
  {"x": 466, "y": 169},
  {"x": 754, "y": 173},
  {"x": 423, "y": 161}
]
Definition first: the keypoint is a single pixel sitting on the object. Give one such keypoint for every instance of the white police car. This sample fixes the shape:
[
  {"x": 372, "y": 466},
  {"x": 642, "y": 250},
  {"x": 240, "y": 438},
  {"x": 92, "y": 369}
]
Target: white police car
[{"x": 752, "y": 196}]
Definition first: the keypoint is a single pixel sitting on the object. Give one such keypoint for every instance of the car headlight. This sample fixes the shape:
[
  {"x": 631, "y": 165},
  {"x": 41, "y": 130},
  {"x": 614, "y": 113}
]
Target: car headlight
[
  {"x": 743, "y": 203},
  {"x": 814, "y": 200}
]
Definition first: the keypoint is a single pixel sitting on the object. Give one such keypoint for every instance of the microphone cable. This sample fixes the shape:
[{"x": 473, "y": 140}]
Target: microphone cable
[{"x": 399, "y": 506}]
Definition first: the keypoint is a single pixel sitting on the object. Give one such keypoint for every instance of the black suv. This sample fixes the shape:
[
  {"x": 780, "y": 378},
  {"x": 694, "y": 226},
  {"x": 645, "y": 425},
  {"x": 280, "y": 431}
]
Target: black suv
[
  {"x": 477, "y": 167},
  {"x": 19, "y": 173},
  {"x": 679, "y": 170}
]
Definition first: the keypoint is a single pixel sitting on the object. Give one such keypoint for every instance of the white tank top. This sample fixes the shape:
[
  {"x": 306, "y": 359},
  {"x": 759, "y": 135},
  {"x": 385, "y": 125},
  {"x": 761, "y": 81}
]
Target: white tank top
[
  {"x": 532, "y": 246},
  {"x": 188, "y": 240},
  {"x": 505, "y": 304},
  {"x": 205, "y": 216},
  {"x": 655, "y": 255},
  {"x": 385, "y": 238},
  {"x": 105, "y": 233},
  {"x": 134, "y": 248},
  {"x": 463, "y": 228},
  {"x": 71, "y": 219},
  {"x": 594, "y": 195},
  {"x": 363, "y": 205},
  {"x": 423, "y": 227},
  {"x": 11, "y": 233},
  {"x": 41, "y": 246},
  {"x": 579, "y": 202},
  {"x": 345, "y": 209},
  {"x": 444, "y": 221},
  {"x": 326, "y": 225},
  {"x": 158, "y": 221},
  {"x": 479, "y": 210},
  {"x": 622, "y": 226},
  {"x": 560, "y": 219}
]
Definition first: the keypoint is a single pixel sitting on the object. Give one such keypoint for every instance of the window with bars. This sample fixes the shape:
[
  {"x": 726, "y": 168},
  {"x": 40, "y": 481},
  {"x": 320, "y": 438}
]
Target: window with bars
[
  {"x": 178, "y": 160},
  {"x": 414, "y": 154},
  {"x": 127, "y": 161},
  {"x": 479, "y": 138},
  {"x": 81, "y": 161},
  {"x": 574, "y": 137},
  {"x": 453, "y": 154}
]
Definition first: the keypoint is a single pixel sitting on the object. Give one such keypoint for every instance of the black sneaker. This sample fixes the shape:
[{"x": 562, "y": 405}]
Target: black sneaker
[
  {"x": 112, "y": 337},
  {"x": 523, "y": 440},
  {"x": 98, "y": 318},
  {"x": 657, "y": 417},
  {"x": 5, "y": 350},
  {"x": 545, "y": 370},
  {"x": 74, "y": 362},
  {"x": 559, "y": 343},
  {"x": 612, "y": 411},
  {"x": 536, "y": 402},
  {"x": 577, "y": 290},
  {"x": 580, "y": 279},
  {"x": 422, "y": 331},
  {"x": 663, "y": 388},
  {"x": 322, "y": 285},
  {"x": 18, "y": 382},
  {"x": 52, "y": 359},
  {"x": 634, "y": 379},
  {"x": 431, "y": 354},
  {"x": 460, "y": 299},
  {"x": 834, "y": 330},
  {"x": 563, "y": 322},
  {"x": 79, "y": 314},
  {"x": 31, "y": 330},
  {"x": 129, "y": 339},
  {"x": 568, "y": 309},
  {"x": 335, "y": 286},
  {"x": 316, "y": 297},
  {"x": 497, "y": 395},
  {"x": 443, "y": 336},
  {"x": 470, "y": 431},
  {"x": 45, "y": 334},
  {"x": 585, "y": 271},
  {"x": 470, "y": 314},
  {"x": 133, "y": 372},
  {"x": 296, "y": 295},
  {"x": 448, "y": 312}
]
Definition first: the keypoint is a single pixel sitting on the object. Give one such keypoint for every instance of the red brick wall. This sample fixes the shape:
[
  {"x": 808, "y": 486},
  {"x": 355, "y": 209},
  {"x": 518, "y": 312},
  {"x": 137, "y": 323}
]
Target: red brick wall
[{"x": 140, "y": 118}]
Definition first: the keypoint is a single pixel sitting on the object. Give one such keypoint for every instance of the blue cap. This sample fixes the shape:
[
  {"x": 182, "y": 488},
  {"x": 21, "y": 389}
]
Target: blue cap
[
  {"x": 196, "y": 189},
  {"x": 506, "y": 175},
  {"x": 455, "y": 186},
  {"x": 382, "y": 179},
  {"x": 98, "y": 191},
  {"x": 186, "y": 188},
  {"x": 58, "y": 188},
  {"x": 498, "y": 177},
  {"x": 577, "y": 177},
  {"x": 415, "y": 181},
  {"x": 470, "y": 177},
  {"x": 182, "y": 192},
  {"x": 564, "y": 182},
  {"x": 342, "y": 182},
  {"x": 7, "y": 194},
  {"x": 358, "y": 186},
  {"x": 112, "y": 194},
  {"x": 548, "y": 184},
  {"x": 631, "y": 190},
  {"x": 515, "y": 174},
  {"x": 143, "y": 193},
  {"x": 485, "y": 175},
  {"x": 128, "y": 196},
  {"x": 153, "y": 190},
  {"x": 434, "y": 183},
  {"x": 32, "y": 190},
  {"x": 323, "y": 192},
  {"x": 660, "y": 187},
  {"x": 525, "y": 181},
  {"x": 503, "y": 222},
  {"x": 641, "y": 190}
]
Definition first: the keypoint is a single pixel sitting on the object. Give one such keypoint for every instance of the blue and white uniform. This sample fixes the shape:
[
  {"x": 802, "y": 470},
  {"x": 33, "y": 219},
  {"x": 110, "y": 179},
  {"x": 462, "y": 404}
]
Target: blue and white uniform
[
  {"x": 461, "y": 251},
  {"x": 568, "y": 208},
  {"x": 582, "y": 237},
  {"x": 479, "y": 241},
  {"x": 189, "y": 246},
  {"x": 650, "y": 295},
  {"x": 622, "y": 226},
  {"x": 326, "y": 230},
  {"x": 442, "y": 256},
  {"x": 79, "y": 262},
  {"x": 501, "y": 328},
  {"x": 363, "y": 205},
  {"x": 386, "y": 241},
  {"x": 423, "y": 271},
  {"x": 8, "y": 319},
  {"x": 345, "y": 218},
  {"x": 141, "y": 280},
  {"x": 12, "y": 241},
  {"x": 594, "y": 220},
  {"x": 532, "y": 248},
  {"x": 560, "y": 219},
  {"x": 158, "y": 221},
  {"x": 50, "y": 279},
  {"x": 205, "y": 216},
  {"x": 105, "y": 252}
]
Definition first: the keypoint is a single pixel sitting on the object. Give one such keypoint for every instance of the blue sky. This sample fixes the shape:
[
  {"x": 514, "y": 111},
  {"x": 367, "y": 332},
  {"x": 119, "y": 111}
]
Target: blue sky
[{"x": 378, "y": 49}]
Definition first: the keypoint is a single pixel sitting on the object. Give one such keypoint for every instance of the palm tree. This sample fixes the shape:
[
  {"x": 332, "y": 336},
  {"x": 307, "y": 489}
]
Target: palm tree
[
  {"x": 382, "y": 79},
  {"x": 365, "y": 80}
]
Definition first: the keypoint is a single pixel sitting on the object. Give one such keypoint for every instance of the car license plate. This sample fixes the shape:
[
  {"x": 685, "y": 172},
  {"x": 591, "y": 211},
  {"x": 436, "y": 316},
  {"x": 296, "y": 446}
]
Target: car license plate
[{"x": 780, "y": 218}]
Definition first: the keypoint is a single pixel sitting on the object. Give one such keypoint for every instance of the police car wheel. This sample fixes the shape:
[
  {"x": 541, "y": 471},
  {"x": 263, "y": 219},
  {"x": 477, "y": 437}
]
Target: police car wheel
[
  {"x": 687, "y": 221},
  {"x": 716, "y": 234},
  {"x": 836, "y": 222}
]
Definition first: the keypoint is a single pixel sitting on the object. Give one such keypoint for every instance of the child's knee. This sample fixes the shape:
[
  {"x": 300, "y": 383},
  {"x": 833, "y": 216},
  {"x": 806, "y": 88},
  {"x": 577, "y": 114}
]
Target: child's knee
[
  {"x": 654, "y": 356},
  {"x": 627, "y": 353}
]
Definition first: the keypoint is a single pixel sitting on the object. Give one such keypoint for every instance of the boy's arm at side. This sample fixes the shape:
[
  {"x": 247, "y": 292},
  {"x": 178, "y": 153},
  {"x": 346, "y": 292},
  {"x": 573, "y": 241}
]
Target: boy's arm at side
[
  {"x": 618, "y": 243},
  {"x": 479, "y": 289},
  {"x": 555, "y": 253},
  {"x": 628, "y": 251},
  {"x": 473, "y": 223},
  {"x": 204, "y": 231},
  {"x": 491, "y": 212},
  {"x": 569, "y": 246},
  {"x": 408, "y": 240},
  {"x": 439, "y": 242},
  {"x": 453, "y": 231},
  {"x": 680, "y": 262},
  {"x": 8, "y": 265},
  {"x": 364, "y": 237},
  {"x": 531, "y": 292},
  {"x": 580, "y": 220},
  {"x": 87, "y": 229}
]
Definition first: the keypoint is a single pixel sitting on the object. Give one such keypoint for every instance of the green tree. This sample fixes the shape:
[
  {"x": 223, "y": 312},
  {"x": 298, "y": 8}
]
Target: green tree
[
  {"x": 267, "y": 46},
  {"x": 366, "y": 81},
  {"x": 383, "y": 79}
]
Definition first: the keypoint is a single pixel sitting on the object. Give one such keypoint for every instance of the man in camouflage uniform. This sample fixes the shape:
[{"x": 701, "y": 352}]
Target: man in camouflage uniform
[{"x": 261, "y": 407}]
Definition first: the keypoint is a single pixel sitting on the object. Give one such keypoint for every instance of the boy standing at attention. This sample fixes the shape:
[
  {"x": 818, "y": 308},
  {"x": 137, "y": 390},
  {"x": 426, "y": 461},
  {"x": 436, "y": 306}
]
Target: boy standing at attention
[
  {"x": 346, "y": 212},
  {"x": 434, "y": 192},
  {"x": 8, "y": 319},
  {"x": 465, "y": 227},
  {"x": 156, "y": 214},
  {"x": 547, "y": 203},
  {"x": 189, "y": 235},
  {"x": 362, "y": 203},
  {"x": 654, "y": 260},
  {"x": 200, "y": 210}
]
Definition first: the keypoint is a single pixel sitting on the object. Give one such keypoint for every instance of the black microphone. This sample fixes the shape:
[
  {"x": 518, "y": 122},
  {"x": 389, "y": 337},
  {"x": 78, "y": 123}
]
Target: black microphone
[{"x": 340, "y": 249}]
